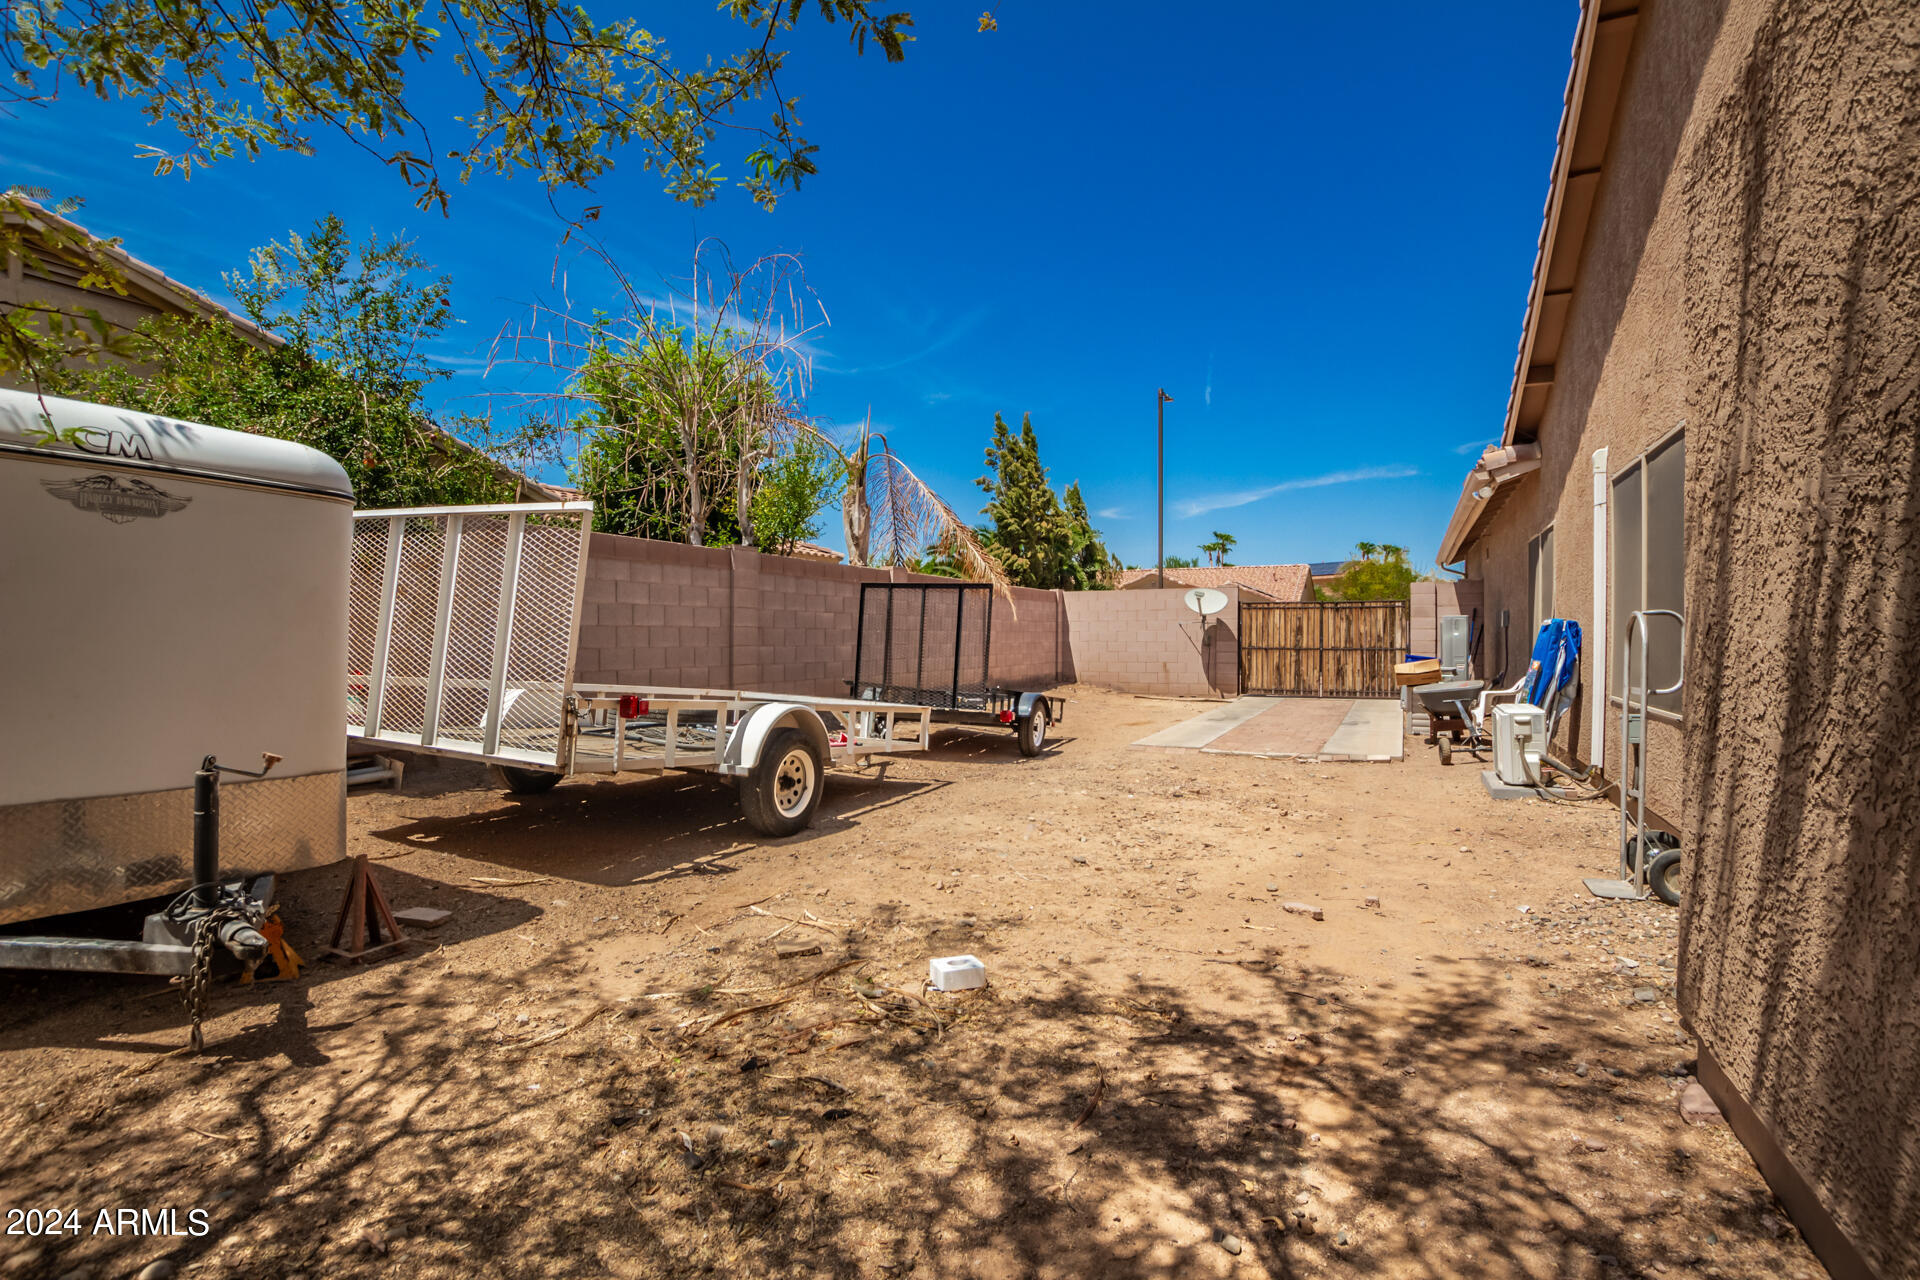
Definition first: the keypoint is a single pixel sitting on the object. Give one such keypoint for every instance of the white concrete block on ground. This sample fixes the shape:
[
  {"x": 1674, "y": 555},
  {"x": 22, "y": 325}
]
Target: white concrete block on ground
[{"x": 956, "y": 973}]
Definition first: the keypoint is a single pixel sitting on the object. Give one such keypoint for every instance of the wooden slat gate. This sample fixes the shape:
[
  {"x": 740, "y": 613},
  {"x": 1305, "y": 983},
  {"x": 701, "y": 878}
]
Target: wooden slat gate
[{"x": 1314, "y": 650}]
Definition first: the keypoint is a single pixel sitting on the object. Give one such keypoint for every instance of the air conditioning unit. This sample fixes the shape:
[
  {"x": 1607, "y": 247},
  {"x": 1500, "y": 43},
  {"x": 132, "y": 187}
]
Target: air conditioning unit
[{"x": 1519, "y": 741}]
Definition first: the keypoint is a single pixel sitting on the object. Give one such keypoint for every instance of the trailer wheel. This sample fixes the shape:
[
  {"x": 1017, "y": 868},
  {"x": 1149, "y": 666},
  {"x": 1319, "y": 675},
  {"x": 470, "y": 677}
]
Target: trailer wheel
[
  {"x": 527, "y": 782},
  {"x": 1663, "y": 876},
  {"x": 1032, "y": 731},
  {"x": 780, "y": 795}
]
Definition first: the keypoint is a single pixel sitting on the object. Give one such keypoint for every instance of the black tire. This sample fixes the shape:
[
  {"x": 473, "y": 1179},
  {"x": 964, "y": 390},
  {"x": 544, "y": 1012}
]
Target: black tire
[
  {"x": 781, "y": 794},
  {"x": 1663, "y": 876},
  {"x": 527, "y": 782},
  {"x": 1032, "y": 731}
]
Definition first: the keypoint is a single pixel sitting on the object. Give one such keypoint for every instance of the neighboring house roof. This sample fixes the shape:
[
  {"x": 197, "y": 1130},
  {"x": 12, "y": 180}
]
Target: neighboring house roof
[
  {"x": 814, "y": 551},
  {"x": 147, "y": 285},
  {"x": 1602, "y": 40},
  {"x": 1280, "y": 581},
  {"x": 151, "y": 291},
  {"x": 1326, "y": 568}
]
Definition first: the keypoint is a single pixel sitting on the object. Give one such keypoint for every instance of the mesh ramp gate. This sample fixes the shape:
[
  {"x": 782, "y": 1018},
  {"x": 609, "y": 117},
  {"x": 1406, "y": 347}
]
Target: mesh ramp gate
[
  {"x": 461, "y": 626},
  {"x": 925, "y": 644}
]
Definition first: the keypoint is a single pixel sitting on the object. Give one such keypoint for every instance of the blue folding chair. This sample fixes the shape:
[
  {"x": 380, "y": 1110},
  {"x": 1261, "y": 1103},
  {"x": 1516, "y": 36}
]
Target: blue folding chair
[{"x": 1551, "y": 677}]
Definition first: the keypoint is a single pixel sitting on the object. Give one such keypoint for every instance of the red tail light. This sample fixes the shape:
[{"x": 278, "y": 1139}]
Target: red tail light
[
  {"x": 631, "y": 706},
  {"x": 1006, "y": 717}
]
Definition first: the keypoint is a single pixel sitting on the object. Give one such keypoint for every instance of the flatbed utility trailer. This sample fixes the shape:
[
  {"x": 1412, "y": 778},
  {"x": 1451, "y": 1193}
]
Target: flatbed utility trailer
[
  {"x": 930, "y": 644},
  {"x": 463, "y": 624}
]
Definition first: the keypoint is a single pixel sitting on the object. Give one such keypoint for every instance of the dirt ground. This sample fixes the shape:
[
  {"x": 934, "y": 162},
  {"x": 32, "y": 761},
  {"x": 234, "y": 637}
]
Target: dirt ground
[{"x": 599, "y": 1067}]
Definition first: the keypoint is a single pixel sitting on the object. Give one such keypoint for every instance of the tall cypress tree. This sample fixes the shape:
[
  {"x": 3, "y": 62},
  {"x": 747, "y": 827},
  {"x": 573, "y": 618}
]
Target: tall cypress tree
[{"x": 1041, "y": 543}]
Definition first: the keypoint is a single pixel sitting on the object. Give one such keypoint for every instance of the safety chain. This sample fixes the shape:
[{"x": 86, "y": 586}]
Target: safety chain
[{"x": 206, "y": 933}]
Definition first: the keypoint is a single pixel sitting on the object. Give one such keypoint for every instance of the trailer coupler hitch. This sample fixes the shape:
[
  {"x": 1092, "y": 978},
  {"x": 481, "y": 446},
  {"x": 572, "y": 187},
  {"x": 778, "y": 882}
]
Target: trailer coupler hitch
[{"x": 211, "y": 913}]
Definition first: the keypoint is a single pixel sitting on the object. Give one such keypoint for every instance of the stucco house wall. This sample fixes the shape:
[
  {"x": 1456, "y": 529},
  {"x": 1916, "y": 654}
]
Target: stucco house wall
[
  {"x": 1615, "y": 388},
  {"x": 1752, "y": 270},
  {"x": 1799, "y": 186}
]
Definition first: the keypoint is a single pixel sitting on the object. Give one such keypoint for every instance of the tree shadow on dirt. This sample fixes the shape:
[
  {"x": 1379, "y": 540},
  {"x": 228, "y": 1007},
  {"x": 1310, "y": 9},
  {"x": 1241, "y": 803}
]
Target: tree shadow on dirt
[
  {"x": 141, "y": 1012},
  {"x": 844, "y": 1123},
  {"x": 638, "y": 831}
]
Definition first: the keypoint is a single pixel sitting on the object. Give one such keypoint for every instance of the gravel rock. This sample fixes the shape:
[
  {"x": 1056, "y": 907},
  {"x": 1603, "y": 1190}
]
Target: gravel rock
[
  {"x": 159, "y": 1269},
  {"x": 1697, "y": 1105},
  {"x": 1231, "y": 1243}
]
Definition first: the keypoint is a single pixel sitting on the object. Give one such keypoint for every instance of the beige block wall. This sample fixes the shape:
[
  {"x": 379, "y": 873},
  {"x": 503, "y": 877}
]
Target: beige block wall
[
  {"x": 1431, "y": 600},
  {"x": 666, "y": 614},
  {"x": 1148, "y": 641},
  {"x": 656, "y": 613}
]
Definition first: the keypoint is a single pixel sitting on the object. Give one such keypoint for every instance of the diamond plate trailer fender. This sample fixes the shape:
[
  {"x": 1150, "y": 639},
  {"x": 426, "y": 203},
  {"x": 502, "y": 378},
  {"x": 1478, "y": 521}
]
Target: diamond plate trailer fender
[{"x": 751, "y": 731}]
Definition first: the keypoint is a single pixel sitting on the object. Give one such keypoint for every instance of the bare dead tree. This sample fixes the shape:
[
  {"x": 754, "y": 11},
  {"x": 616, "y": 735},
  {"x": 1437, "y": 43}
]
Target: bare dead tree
[{"x": 720, "y": 362}]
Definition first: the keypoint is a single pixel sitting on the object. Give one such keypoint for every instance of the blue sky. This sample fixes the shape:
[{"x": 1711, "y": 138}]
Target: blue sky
[{"x": 1313, "y": 225}]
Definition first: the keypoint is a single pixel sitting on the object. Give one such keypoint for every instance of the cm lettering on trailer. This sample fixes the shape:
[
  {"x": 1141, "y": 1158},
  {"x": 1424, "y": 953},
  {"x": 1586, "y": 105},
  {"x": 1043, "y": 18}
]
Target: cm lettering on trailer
[{"x": 111, "y": 443}]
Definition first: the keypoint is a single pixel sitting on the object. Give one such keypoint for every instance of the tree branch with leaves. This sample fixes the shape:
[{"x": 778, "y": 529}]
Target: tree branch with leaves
[{"x": 548, "y": 89}]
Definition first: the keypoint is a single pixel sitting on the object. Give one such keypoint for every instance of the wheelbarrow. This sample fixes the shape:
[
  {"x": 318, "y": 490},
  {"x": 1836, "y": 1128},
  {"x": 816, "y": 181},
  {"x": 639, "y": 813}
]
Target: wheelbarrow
[{"x": 1450, "y": 720}]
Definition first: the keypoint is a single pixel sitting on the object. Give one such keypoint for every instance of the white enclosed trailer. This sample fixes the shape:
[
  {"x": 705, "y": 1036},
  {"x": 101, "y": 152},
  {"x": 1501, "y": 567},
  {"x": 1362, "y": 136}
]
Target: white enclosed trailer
[
  {"x": 168, "y": 592},
  {"x": 463, "y": 625}
]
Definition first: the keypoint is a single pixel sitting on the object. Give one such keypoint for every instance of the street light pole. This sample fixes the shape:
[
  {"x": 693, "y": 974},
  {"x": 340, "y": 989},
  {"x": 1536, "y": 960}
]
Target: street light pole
[{"x": 1161, "y": 452}]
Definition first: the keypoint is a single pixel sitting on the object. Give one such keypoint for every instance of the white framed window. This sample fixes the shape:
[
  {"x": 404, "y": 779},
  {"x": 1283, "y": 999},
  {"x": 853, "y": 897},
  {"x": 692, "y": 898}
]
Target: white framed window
[
  {"x": 1649, "y": 570},
  {"x": 1539, "y": 581}
]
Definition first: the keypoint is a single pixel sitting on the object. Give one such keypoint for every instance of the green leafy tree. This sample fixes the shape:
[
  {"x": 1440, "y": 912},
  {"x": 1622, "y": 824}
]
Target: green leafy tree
[
  {"x": 1041, "y": 541},
  {"x": 662, "y": 451},
  {"x": 1088, "y": 562},
  {"x": 794, "y": 489},
  {"x": 349, "y": 381},
  {"x": 1378, "y": 571},
  {"x": 1218, "y": 550},
  {"x": 683, "y": 412},
  {"x": 543, "y": 88},
  {"x": 936, "y": 564}
]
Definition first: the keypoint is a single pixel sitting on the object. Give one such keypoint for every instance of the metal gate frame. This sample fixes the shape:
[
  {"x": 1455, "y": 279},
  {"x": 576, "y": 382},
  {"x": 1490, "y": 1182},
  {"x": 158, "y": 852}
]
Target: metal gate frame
[
  {"x": 918, "y": 691},
  {"x": 522, "y": 586},
  {"x": 1383, "y": 689}
]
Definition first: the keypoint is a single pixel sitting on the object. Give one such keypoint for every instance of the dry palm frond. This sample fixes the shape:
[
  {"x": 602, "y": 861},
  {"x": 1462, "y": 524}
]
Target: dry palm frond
[
  {"x": 892, "y": 516},
  {"x": 910, "y": 517}
]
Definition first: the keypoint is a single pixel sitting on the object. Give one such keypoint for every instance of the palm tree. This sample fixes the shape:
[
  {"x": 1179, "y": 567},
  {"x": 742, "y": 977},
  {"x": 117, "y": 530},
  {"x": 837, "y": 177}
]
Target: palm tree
[{"x": 1218, "y": 549}]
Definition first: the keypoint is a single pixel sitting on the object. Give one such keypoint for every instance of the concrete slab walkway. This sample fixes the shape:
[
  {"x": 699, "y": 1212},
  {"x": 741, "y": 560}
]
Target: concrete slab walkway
[
  {"x": 1209, "y": 724},
  {"x": 1330, "y": 729}
]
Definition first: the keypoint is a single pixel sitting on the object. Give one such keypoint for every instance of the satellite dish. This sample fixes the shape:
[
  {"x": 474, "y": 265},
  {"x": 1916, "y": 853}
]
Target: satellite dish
[{"x": 1205, "y": 601}]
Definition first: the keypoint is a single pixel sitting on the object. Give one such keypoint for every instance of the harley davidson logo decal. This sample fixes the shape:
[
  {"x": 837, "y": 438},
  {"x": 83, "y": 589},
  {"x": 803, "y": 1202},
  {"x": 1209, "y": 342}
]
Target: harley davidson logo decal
[{"x": 120, "y": 499}]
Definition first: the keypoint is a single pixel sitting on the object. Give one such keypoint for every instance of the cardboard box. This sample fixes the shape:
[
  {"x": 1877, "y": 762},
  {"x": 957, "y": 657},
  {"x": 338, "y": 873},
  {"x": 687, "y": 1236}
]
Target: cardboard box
[{"x": 1425, "y": 671}]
